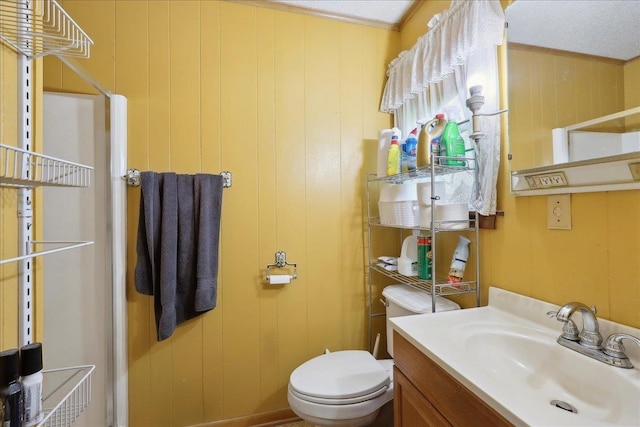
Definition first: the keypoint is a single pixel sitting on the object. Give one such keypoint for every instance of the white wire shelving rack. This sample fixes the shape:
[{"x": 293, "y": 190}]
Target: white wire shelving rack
[
  {"x": 22, "y": 168},
  {"x": 36, "y": 28},
  {"x": 41, "y": 27},
  {"x": 66, "y": 393}
]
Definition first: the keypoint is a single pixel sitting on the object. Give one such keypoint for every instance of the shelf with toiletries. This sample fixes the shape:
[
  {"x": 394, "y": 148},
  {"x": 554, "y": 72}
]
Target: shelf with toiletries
[
  {"x": 66, "y": 392},
  {"x": 440, "y": 167},
  {"x": 34, "y": 29},
  {"x": 403, "y": 202},
  {"x": 441, "y": 286}
]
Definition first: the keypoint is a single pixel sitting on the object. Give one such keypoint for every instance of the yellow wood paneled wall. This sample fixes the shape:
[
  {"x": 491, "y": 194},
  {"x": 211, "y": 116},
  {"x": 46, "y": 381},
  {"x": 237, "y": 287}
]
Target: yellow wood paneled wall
[
  {"x": 597, "y": 261},
  {"x": 285, "y": 102}
]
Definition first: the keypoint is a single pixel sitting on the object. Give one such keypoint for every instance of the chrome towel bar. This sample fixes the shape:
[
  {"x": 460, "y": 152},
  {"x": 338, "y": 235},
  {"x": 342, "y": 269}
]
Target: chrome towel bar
[{"x": 132, "y": 176}]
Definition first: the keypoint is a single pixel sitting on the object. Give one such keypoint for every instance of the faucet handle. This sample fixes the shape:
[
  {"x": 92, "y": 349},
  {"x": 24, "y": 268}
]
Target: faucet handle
[
  {"x": 614, "y": 348},
  {"x": 569, "y": 329}
]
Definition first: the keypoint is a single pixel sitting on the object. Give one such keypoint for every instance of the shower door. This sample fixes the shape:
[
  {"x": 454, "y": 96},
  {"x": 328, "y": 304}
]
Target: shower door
[{"x": 81, "y": 286}]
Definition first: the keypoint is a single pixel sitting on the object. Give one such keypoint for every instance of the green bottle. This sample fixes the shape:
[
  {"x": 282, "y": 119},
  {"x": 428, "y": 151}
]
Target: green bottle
[{"x": 452, "y": 141}]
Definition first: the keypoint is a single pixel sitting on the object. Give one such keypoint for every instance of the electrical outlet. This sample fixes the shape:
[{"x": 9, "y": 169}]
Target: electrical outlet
[
  {"x": 546, "y": 180},
  {"x": 559, "y": 212}
]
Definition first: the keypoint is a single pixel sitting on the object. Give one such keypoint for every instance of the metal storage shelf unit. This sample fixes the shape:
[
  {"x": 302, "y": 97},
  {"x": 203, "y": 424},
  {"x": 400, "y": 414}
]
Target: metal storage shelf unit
[
  {"x": 437, "y": 286},
  {"x": 35, "y": 28}
]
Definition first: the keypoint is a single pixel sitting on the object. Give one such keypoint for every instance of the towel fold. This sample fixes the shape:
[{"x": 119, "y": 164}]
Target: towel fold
[
  {"x": 177, "y": 247},
  {"x": 210, "y": 208}
]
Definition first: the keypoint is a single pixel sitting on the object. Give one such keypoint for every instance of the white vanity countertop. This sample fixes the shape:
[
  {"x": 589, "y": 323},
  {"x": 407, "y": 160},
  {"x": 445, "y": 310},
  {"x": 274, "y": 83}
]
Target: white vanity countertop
[{"x": 507, "y": 355}]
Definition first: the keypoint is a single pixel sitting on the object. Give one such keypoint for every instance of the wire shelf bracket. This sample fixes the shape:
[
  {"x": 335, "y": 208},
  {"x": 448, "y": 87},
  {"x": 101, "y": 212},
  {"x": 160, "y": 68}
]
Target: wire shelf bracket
[{"x": 29, "y": 255}]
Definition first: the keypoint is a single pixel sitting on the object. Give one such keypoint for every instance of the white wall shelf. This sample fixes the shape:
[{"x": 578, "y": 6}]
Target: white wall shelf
[
  {"x": 35, "y": 28},
  {"x": 66, "y": 393},
  {"x": 22, "y": 168},
  {"x": 41, "y": 27}
]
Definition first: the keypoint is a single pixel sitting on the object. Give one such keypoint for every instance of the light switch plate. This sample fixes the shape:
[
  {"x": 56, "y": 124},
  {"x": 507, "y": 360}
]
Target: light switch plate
[{"x": 559, "y": 212}]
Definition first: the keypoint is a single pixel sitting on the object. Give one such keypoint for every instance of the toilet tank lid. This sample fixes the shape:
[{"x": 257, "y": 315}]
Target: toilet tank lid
[{"x": 416, "y": 300}]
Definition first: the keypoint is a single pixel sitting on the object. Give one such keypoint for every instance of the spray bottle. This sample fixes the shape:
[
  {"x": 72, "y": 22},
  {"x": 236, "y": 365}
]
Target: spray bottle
[
  {"x": 459, "y": 262},
  {"x": 451, "y": 138},
  {"x": 410, "y": 149},
  {"x": 429, "y": 140}
]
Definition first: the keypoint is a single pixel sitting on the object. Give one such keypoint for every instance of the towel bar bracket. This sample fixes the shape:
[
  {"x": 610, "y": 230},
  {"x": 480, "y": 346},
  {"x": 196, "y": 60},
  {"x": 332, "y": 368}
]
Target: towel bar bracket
[
  {"x": 226, "y": 179},
  {"x": 132, "y": 177}
]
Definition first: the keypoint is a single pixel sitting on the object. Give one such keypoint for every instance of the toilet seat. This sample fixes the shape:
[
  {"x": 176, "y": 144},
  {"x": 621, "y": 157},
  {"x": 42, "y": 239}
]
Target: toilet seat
[
  {"x": 337, "y": 401},
  {"x": 340, "y": 378}
]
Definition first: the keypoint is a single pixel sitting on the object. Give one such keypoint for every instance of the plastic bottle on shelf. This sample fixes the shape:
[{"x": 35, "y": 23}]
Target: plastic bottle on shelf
[
  {"x": 459, "y": 261},
  {"x": 429, "y": 140},
  {"x": 11, "y": 400},
  {"x": 424, "y": 257},
  {"x": 393, "y": 157},
  {"x": 31, "y": 379},
  {"x": 410, "y": 150},
  {"x": 408, "y": 261},
  {"x": 452, "y": 141}
]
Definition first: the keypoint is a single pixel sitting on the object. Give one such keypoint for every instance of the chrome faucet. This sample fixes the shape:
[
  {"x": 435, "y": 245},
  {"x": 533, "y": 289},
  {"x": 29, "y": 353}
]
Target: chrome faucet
[
  {"x": 589, "y": 340},
  {"x": 590, "y": 335}
]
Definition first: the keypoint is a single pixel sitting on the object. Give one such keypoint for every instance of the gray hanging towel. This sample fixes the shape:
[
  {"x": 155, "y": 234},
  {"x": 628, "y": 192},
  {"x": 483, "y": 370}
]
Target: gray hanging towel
[
  {"x": 209, "y": 193},
  {"x": 177, "y": 248}
]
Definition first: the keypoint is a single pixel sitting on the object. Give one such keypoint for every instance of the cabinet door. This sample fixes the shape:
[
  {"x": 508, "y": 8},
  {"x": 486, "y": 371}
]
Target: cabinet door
[{"x": 411, "y": 408}]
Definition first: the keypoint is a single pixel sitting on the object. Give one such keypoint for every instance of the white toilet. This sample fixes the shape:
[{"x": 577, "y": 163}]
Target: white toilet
[{"x": 348, "y": 388}]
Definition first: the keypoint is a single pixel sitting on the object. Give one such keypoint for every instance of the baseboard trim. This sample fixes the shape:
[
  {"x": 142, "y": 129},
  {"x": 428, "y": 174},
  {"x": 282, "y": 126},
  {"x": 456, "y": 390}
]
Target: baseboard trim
[{"x": 264, "y": 419}]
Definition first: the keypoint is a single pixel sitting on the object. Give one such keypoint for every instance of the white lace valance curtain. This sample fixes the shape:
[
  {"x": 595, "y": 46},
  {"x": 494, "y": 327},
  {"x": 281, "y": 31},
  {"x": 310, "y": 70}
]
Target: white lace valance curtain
[
  {"x": 468, "y": 26},
  {"x": 434, "y": 73}
]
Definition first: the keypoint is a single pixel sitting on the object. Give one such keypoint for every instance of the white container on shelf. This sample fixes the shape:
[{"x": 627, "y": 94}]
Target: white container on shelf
[
  {"x": 408, "y": 261},
  {"x": 398, "y": 204},
  {"x": 452, "y": 216},
  {"x": 423, "y": 190}
]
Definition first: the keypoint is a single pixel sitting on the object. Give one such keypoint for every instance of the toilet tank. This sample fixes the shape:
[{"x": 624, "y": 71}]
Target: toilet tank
[{"x": 405, "y": 300}]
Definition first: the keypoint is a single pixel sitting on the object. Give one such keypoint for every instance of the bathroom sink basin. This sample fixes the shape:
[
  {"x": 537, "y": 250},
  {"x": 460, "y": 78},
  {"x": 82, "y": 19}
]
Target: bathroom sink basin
[
  {"x": 549, "y": 371},
  {"x": 507, "y": 354}
]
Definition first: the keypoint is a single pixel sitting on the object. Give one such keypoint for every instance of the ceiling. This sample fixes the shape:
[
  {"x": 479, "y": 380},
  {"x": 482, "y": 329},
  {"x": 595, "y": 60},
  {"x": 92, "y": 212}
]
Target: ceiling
[
  {"x": 605, "y": 28},
  {"x": 613, "y": 24}
]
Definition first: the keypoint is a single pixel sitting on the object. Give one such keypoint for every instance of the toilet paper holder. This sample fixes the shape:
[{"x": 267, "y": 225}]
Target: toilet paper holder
[{"x": 281, "y": 262}]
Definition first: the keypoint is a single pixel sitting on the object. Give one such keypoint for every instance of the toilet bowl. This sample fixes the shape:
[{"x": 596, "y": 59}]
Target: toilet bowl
[
  {"x": 349, "y": 388},
  {"x": 344, "y": 388}
]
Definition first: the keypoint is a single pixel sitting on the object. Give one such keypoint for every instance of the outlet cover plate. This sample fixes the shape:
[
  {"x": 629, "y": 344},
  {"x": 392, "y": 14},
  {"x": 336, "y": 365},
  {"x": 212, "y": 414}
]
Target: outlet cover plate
[{"x": 559, "y": 212}]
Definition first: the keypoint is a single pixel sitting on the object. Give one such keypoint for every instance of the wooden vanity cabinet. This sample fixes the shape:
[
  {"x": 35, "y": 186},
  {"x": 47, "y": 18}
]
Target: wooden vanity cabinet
[{"x": 425, "y": 395}]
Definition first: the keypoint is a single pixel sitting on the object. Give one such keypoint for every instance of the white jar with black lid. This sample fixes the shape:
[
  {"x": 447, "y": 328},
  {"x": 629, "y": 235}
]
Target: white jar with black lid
[{"x": 31, "y": 378}]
